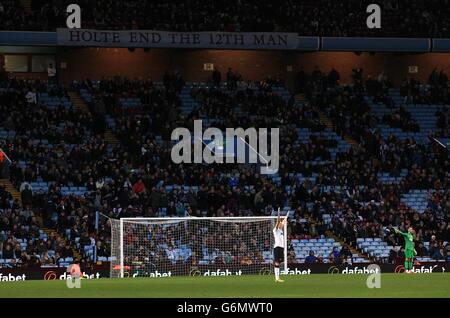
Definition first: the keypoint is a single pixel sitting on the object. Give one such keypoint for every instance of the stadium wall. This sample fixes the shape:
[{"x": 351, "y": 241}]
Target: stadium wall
[
  {"x": 95, "y": 63},
  {"x": 253, "y": 65}
]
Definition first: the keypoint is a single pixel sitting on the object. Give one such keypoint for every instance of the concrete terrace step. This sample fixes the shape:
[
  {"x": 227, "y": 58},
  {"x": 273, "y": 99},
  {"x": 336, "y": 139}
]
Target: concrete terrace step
[
  {"x": 78, "y": 102},
  {"x": 327, "y": 122},
  {"x": 110, "y": 137},
  {"x": 26, "y": 4},
  {"x": 352, "y": 249},
  {"x": 11, "y": 189},
  {"x": 299, "y": 98},
  {"x": 330, "y": 234}
]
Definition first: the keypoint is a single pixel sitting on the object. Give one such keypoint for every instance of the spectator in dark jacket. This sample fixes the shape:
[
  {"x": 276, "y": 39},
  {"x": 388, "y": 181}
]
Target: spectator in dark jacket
[
  {"x": 17, "y": 251},
  {"x": 311, "y": 258},
  {"x": 421, "y": 250},
  {"x": 27, "y": 196},
  {"x": 438, "y": 254},
  {"x": 216, "y": 77},
  {"x": 8, "y": 252},
  {"x": 66, "y": 251}
]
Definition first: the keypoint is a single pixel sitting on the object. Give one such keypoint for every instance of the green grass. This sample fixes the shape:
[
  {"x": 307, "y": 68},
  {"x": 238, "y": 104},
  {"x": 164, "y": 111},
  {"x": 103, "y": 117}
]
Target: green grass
[{"x": 317, "y": 285}]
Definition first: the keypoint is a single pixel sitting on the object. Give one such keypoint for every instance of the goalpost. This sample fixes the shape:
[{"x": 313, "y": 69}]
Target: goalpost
[{"x": 203, "y": 246}]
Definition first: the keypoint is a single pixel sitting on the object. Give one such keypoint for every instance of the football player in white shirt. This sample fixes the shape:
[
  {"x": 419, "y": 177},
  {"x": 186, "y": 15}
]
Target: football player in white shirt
[{"x": 278, "y": 247}]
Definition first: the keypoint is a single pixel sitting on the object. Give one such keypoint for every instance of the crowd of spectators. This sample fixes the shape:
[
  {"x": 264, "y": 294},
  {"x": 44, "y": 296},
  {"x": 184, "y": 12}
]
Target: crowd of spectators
[
  {"x": 437, "y": 90},
  {"x": 320, "y": 18},
  {"x": 130, "y": 178},
  {"x": 353, "y": 169},
  {"x": 367, "y": 213},
  {"x": 23, "y": 225},
  {"x": 347, "y": 107}
]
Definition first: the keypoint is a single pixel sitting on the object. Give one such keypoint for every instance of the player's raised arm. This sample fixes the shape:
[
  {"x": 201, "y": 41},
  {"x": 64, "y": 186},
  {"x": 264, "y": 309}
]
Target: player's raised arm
[
  {"x": 401, "y": 233},
  {"x": 286, "y": 217},
  {"x": 278, "y": 218}
]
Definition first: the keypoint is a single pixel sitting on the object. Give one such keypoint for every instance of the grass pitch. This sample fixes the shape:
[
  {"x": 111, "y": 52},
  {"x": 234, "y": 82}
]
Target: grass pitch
[{"x": 317, "y": 285}]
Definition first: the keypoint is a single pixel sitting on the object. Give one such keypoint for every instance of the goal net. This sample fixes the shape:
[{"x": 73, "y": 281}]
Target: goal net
[{"x": 209, "y": 246}]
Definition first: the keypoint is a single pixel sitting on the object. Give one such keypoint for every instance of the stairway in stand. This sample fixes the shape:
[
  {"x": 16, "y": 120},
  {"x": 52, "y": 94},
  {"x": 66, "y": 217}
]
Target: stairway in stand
[
  {"x": 7, "y": 184},
  {"x": 26, "y": 4},
  {"x": 78, "y": 102},
  {"x": 11, "y": 189},
  {"x": 299, "y": 98},
  {"x": 80, "y": 105},
  {"x": 110, "y": 138},
  {"x": 343, "y": 242},
  {"x": 327, "y": 122},
  {"x": 312, "y": 220}
]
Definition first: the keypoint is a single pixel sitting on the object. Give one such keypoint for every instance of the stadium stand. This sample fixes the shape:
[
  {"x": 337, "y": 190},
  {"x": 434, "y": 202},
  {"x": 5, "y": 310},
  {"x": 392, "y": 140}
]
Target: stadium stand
[
  {"x": 320, "y": 18},
  {"x": 344, "y": 181}
]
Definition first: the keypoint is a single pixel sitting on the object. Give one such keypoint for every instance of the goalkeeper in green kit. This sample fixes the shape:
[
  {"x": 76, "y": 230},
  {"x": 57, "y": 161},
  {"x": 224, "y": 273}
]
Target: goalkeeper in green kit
[{"x": 409, "y": 248}]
